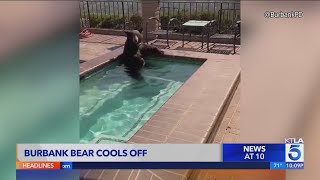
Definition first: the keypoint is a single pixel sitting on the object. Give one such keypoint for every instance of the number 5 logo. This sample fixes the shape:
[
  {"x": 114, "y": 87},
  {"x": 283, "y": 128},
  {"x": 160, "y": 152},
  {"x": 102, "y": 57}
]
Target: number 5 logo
[{"x": 294, "y": 152}]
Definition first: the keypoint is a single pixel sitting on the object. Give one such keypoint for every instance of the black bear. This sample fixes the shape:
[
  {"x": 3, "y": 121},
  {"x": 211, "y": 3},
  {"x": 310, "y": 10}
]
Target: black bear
[{"x": 135, "y": 51}]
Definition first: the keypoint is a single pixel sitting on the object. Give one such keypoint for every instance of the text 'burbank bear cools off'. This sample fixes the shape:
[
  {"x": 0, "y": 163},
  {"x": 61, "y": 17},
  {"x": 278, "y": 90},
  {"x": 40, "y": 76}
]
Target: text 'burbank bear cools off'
[{"x": 86, "y": 153}]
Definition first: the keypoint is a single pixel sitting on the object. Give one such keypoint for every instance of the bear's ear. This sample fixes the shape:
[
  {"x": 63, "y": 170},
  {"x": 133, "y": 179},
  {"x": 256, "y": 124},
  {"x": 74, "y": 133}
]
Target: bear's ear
[{"x": 140, "y": 30}]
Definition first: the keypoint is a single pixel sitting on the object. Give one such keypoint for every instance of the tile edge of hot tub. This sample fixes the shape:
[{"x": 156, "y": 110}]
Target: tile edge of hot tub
[
  {"x": 89, "y": 67},
  {"x": 233, "y": 83}
]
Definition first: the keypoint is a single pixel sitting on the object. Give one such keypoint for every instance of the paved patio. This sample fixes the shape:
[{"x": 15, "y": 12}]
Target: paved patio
[
  {"x": 190, "y": 115},
  {"x": 98, "y": 44},
  {"x": 229, "y": 129}
]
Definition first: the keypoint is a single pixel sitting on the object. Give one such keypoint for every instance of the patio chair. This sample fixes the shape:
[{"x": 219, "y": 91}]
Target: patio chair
[
  {"x": 232, "y": 37},
  {"x": 171, "y": 27},
  {"x": 227, "y": 32},
  {"x": 237, "y": 35}
]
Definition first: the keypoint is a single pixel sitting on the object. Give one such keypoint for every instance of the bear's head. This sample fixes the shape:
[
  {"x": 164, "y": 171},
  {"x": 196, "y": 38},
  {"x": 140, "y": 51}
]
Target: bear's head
[
  {"x": 133, "y": 42},
  {"x": 134, "y": 37}
]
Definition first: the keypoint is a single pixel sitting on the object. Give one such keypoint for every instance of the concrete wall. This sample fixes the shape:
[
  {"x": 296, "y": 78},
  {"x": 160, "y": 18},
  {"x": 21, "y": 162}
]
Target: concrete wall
[{"x": 150, "y": 8}]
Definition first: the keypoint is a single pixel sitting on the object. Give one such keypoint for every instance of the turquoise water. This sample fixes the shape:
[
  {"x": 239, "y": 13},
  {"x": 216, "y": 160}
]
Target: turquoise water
[{"x": 114, "y": 106}]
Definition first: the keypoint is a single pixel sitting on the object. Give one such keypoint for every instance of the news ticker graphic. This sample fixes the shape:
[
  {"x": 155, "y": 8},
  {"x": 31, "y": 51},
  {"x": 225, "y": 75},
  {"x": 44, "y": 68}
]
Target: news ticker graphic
[{"x": 160, "y": 156}]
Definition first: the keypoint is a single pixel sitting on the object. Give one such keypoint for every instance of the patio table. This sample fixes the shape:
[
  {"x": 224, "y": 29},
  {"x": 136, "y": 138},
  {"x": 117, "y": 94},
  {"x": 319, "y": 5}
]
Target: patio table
[{"x": 197, "y": 23}]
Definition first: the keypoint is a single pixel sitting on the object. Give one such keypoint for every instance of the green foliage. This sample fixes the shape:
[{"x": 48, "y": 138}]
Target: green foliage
[
  {"x": 206, "y": 16},
  {"x": 95, "y": 20},
  {"x": 136, "y": 22},
  {"x": 164, "y": 21},
  {"x": 113, "y": 22},
  {"x": 107, "y": 22},
  {"x": 119, "y": 22}
]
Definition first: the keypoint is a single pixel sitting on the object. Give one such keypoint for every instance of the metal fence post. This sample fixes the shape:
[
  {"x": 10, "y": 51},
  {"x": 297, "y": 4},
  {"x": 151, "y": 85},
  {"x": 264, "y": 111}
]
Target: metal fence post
[
  {"x": 220, "y": 18},
  {"x": 124, "y": 19},
  {"x": 88, "y": 13}
]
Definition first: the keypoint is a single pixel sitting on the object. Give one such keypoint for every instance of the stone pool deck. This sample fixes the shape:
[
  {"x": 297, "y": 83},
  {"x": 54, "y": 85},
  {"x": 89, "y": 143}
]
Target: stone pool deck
[
  {"x": 201, "y": 111},
  {"x": 98, "y": 44}
]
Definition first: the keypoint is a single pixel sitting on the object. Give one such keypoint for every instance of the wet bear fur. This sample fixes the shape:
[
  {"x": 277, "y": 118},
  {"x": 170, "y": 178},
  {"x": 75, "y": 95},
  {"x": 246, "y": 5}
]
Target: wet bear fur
[{"x": 135, "y": 51}]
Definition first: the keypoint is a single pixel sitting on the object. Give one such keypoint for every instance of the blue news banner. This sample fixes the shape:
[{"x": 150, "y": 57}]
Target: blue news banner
[
  {"x": 277, "y": 156},
  {"x": 235, "y": 156}
]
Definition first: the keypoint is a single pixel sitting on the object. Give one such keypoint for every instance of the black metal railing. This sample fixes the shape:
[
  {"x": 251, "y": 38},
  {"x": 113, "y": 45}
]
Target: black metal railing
[
  {"x": 127, "y": 14},
  {"x": 225, "y": 13},
  {"x": 110, "y": 14}
]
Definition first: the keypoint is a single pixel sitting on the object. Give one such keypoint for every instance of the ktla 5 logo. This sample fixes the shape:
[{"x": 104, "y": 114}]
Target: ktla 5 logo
[{"x": 294, "y": 152}]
